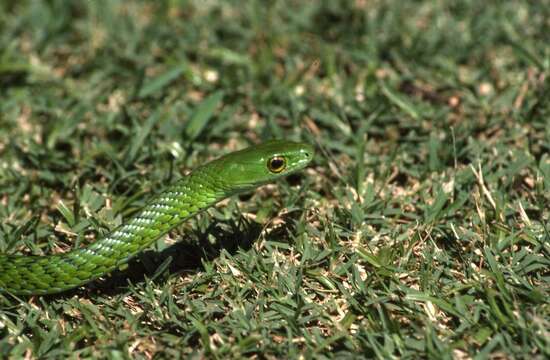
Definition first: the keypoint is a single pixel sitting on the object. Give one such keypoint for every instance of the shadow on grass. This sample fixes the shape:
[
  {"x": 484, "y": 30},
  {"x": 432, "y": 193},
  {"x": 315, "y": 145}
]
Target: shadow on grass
[{"x": 186, "y": 256}]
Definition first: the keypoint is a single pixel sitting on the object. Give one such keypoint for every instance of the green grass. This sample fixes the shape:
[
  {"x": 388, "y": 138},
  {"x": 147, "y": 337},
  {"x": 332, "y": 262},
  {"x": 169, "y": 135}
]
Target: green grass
[{"x": 421, "y": 230}]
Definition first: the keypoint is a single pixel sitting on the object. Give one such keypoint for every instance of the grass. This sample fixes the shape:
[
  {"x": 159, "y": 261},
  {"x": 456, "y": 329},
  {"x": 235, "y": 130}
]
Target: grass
[{"x": 421, "y": 230}]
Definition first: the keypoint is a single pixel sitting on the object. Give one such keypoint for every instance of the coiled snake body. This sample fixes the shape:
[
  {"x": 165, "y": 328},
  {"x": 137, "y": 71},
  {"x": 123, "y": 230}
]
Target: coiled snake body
[{"x": 205, "y": 186}]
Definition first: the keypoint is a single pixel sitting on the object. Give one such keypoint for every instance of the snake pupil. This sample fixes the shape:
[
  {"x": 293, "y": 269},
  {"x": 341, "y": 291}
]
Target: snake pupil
[{"x": 277, "y": 164}]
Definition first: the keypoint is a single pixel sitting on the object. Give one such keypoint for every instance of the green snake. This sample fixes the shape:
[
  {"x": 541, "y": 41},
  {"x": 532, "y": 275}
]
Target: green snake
[{"x": 231, "y": 174}]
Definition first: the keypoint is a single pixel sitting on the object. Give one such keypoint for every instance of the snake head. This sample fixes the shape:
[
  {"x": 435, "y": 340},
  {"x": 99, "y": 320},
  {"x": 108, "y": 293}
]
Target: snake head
[{"x": 260, "y": 164}]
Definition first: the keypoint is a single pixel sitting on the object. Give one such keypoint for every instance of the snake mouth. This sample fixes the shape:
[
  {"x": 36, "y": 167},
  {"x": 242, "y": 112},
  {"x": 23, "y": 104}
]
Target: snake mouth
[{"x": 306, "y": 155}]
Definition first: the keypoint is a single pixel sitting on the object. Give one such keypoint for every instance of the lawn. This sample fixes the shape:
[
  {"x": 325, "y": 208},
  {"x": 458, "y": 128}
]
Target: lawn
[{"x": 421, "y": 230}]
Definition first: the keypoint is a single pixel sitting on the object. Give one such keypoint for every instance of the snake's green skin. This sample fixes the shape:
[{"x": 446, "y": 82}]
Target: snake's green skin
[{"x": 231, "y": 174}]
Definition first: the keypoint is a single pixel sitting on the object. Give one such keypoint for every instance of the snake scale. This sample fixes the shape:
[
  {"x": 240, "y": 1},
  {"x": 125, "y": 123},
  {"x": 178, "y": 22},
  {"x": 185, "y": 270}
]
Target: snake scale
[{"x": 231, "y": 174}]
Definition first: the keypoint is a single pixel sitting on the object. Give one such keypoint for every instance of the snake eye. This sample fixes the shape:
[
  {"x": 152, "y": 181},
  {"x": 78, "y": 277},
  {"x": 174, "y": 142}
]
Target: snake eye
[{"x": 276, "y": 164}]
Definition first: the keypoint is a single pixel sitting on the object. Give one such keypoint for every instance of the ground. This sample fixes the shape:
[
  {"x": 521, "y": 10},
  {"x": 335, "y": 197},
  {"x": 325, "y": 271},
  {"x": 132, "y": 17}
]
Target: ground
[{"x": 421, "y": 229}]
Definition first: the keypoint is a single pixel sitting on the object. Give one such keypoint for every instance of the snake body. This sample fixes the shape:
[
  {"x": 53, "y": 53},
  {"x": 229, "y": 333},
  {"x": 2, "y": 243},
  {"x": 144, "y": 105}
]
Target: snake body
[{"x": 205, "y": 186}]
